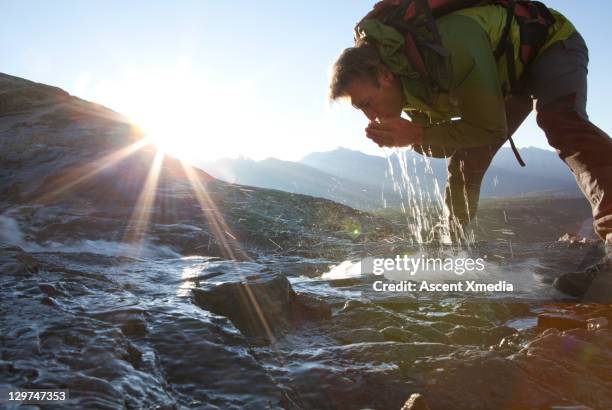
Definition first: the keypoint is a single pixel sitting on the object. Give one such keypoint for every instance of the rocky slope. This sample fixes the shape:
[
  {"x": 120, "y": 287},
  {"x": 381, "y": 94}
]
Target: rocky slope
[{"x": 72, "y": 170}]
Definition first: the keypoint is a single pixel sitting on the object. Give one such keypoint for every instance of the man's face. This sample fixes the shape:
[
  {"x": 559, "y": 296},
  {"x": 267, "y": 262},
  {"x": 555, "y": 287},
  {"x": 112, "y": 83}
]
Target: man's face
[{"x": 383, "y": 101}]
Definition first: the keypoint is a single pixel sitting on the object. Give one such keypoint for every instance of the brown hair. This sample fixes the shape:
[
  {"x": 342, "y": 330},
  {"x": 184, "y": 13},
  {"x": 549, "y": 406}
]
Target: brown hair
[{"x": 361, "y": 61}]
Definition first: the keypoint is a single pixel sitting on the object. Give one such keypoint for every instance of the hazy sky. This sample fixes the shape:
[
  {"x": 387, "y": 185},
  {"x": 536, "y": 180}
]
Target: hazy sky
[{"x": 227, "y": 78}]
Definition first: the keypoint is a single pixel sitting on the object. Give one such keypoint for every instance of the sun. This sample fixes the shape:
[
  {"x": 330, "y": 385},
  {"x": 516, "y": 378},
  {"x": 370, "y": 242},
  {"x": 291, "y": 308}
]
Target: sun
[
  {"x": 198, "y": 114},
  {"x": 175, "y": 124},
  {"x": 178, "y": 108}
]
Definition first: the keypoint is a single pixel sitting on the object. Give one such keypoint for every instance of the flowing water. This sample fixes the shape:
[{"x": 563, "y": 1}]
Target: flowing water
[
  {"x": 166, "y": 330},
  {"x": 121, "y": 332}
]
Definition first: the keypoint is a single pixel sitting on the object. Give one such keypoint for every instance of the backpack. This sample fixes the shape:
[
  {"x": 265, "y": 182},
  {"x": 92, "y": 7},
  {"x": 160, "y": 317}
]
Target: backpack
[{"x": 415, "y": 20}]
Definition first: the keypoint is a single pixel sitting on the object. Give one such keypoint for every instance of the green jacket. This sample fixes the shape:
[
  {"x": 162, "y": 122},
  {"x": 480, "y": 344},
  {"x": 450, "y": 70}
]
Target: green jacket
[{"x": 475, "y": 100}]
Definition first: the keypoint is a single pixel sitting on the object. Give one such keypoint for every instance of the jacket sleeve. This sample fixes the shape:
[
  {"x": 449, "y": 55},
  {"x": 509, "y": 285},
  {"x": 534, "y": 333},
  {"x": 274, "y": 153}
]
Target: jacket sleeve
[{"x": 474, "y": 85}]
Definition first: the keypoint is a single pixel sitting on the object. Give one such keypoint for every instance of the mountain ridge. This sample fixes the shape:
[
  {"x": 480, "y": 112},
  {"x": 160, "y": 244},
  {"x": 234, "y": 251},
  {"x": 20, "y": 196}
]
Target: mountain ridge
[{"x": 342, "y": 173}]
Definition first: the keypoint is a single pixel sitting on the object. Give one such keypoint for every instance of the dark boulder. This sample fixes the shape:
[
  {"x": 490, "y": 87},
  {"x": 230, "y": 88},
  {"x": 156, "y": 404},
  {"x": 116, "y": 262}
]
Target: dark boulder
[{"x": 260, "y": 304}]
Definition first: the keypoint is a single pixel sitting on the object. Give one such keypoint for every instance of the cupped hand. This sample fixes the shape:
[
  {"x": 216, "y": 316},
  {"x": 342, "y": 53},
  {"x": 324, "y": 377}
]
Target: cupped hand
[{"x": 394, "y": 132}]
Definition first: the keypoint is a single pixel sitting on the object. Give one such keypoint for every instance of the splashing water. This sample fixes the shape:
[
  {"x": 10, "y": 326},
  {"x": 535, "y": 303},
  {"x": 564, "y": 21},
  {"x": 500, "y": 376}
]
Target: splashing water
[
  {"x": 345, "y": 270},
  {"x": 422, "y": 206},
  {"x": 11, "y": 234}
]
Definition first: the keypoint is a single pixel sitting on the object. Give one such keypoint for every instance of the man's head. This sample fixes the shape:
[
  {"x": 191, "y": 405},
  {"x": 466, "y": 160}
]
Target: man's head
[{"x": 360, "y": 75}]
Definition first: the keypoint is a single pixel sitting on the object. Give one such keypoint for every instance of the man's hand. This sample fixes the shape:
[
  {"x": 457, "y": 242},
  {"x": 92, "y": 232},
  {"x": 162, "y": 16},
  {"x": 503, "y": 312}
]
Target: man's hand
[{"x": 395, "y": 132}]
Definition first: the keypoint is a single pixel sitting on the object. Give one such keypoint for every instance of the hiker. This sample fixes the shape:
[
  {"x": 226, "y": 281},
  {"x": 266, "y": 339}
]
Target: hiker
[{"x": 467, "y": 93}]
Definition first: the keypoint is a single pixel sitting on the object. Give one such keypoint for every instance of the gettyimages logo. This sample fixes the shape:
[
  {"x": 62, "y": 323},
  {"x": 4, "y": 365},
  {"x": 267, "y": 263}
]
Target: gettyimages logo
[
  {"x": 440, "y": 275},
  {"x": 409, "y": 266}
]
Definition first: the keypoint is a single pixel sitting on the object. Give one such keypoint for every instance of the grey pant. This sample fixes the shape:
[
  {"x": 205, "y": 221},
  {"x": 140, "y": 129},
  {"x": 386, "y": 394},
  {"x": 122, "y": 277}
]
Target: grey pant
[{"x": 558, "y": 80}]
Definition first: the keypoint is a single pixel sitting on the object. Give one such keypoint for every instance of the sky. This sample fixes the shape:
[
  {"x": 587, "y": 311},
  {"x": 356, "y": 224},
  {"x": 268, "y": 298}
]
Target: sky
[{"x": 211, "y": 79}]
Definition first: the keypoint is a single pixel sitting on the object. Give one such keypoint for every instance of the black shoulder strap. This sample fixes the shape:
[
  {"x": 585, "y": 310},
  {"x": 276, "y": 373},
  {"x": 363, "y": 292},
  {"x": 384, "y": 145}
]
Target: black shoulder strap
[
  {"x": 506, "y": 47},
  {"x": 503, "y": 41}
]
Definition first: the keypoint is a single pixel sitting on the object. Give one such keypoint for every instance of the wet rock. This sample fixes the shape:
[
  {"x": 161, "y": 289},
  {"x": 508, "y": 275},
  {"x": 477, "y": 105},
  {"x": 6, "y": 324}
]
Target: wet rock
[
  {"x": 134, "y": 355},
  {"x": 429, "y": 333},
  {"x": 132, "y": 321},
  {"x": 209, "y": 364},
  {"x": 561, "y": 322},
  {"x": 359, "y": 336},
  {"x": 576, "y": 239},
  {"x": 466, "y": 335},
  {"x": 381, "y": 352},
  {"x": 573, "y": 362},
  {"x": 260, "y": 304},
  {"x": 471, "y": 335},
  {"x": 509, "y": 344},
  {"x": 416, "y": 402},
  {"x": 497, "y": 334},
  {"x": 396, "y": 334},
  {"x": 598, "y": 323},
  {"x": 341, "y": 283},
  {"x": 357, "y": 314},
  {"x": 49, "y": 289},
  {"x": 46, "y": 300}
]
